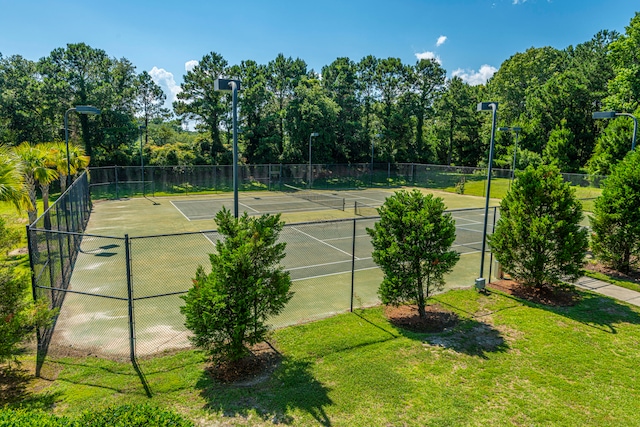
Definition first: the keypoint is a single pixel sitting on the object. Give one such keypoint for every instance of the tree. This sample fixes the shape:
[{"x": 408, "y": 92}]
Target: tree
[
  {"x": 18, "y": 315},
  {"x": 227, "y": 308},
  {"x": 36, "y": 171},
  {"x": 624, "y": 88},
  {"x": 611, "y": 146},
  {"x": 199, "y": 101},
  {"x": 12, "y": 187},
  {"x": 538, "y": 238},
  {"x": 411, "y": 244},
  {"x": 561, "y": 148},
  {"x": 149, "y": 101},
  {"x": 616, "y": 216}
]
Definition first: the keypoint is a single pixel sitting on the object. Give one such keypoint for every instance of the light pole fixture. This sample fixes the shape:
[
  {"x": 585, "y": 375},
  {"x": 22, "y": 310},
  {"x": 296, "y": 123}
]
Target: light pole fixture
[
  {"x": 313, "y": 135},
  {"x": 80, "y": 109},
  {"x": 613, "y": 114},
  {"x": 517, "y": 130},
  {"x": 142, "y": 128},
  {"x": 233, "y": 86},
  {"x": 493, "y": 107}
]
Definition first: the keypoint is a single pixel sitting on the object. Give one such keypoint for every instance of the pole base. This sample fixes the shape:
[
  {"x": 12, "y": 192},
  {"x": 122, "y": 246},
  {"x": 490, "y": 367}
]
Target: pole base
[{"x": 480, "y": 284}]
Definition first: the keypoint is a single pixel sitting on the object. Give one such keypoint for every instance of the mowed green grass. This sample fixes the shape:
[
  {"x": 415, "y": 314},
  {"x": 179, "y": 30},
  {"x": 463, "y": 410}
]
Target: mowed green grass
[{"x": 507, "y": 362}]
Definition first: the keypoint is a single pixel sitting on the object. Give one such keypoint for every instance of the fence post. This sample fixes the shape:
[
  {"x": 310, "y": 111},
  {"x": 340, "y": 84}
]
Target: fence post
[
  {"x": 115, "y": 168},
  {"x": 353, "y": 261},
  {"x": 132, "y": 345}
]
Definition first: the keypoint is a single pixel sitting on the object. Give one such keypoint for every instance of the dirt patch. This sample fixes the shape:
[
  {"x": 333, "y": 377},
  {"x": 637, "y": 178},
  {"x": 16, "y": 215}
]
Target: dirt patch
[
  {"x": 551, "y": 296},
  {"x": 407, "y": 317},
  {"x": 249, "y": 371}
]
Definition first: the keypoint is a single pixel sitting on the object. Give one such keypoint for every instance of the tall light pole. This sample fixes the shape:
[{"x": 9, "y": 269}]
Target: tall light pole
[
  {"x": 493, "y": 107},
  {"x": 517, "y": 130},
  {"x": 612, "y": 114},
  {"x": 80, "y": 109},
  {"x": 313, "y": 135},
  {"x": 142, "y": 127},
  {"x": 233, "y": 86}
]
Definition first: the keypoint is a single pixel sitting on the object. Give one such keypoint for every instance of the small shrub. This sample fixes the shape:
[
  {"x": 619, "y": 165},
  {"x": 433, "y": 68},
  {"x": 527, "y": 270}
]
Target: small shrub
[
  {"x": 538, "y": 238},
  {"x": 133, "y": 416},
  {"x": 227, "y": 309},
  {"x": 411, "y": 245}
]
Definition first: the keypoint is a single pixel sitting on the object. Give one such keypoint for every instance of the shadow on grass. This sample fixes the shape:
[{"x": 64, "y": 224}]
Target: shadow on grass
[
  {"x": 290, "y": 387},
  {"x": 597, "y": 311},
  {"x": 470, "y": 337},
  {"x": 14, "y": 391}
]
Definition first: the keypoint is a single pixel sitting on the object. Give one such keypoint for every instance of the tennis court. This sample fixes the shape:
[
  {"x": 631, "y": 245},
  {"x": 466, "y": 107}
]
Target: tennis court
[{"x": 168, "y": 238}]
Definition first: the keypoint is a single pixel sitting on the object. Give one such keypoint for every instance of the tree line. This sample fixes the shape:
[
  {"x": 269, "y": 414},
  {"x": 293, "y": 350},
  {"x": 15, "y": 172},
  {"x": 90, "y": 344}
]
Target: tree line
[{"x": 376, "y": 108}]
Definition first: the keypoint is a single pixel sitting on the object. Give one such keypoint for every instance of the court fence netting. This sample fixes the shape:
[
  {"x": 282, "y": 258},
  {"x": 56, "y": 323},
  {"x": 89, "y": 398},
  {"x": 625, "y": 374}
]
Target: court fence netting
[
  {"x": 125, "y": 301},
  {"x": 114, "y": 182}
]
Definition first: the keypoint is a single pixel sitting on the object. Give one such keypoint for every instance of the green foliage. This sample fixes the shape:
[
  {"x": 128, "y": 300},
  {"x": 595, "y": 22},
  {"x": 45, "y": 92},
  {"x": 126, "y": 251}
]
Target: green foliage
[
  {"x": 612, "y": 145},
  {"x": 412, "y": 243},
  {"x": 133, "y": 416},
  {"x": 119, "y": 416},
  {"x": 538, "y": 238},
  {"x": 616, "y": 216},
  {"x": 227, "y": 308}
]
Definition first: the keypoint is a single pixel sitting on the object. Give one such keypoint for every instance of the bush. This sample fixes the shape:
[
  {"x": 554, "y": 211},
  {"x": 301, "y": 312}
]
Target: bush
[
  {"x": 616, "y": 216},
  {"x": 411, "y": 245},
  {"x": 119, "y": 416},
  {"x": 227, "y": 308},
  {"x": 538, "y": 238}
]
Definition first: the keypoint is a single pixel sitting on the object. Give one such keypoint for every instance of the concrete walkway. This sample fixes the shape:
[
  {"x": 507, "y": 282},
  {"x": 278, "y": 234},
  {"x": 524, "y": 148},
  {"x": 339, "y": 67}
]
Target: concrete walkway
[{"x": 609, "y": 290}]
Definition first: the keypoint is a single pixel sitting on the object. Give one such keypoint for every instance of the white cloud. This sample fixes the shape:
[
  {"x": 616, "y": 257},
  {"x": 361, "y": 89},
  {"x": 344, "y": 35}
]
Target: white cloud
[
  {"x": 165, "y": 80},
  {"x": 519, "y": 1},
  {"x": 475, "y": 78},
  {"x": 441, "y": 40},
  {"x": 188, "y": 66},
  {"x": 429, "y": 55}
]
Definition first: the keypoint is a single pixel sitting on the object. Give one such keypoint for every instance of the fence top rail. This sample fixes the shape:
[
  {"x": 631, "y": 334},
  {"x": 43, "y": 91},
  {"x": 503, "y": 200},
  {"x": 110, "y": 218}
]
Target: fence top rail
[{"x": 75, "y": 233}]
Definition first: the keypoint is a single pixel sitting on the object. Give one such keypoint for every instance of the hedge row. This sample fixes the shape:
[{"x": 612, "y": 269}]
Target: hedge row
[{"x": 119, "y": 416}]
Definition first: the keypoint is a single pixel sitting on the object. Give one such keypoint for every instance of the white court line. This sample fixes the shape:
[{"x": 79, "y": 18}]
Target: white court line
[
  {"x": 333, "y": 274},
  {"x": 323, "y": 242},
  {"x": 345, "y": 238},
  {"x": 204, "y": 233},
  {"x": 249, "y": 207},
  {"x": 170, "y": 201},
  {"x": 325, "y": 264}
]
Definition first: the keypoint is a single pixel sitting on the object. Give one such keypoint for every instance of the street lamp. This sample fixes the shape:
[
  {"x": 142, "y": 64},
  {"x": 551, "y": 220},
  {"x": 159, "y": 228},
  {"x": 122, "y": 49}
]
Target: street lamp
[
  {"x": 612, "y": 114},
  {"x": 227, "y": 85},
  {"x": 80, "y": 109},
  {"x": 517, "y": 130},
  {"x": 142, "y": 128},
  {"x": 313, "y": 135},
  {"x": 493, "y": 107}
]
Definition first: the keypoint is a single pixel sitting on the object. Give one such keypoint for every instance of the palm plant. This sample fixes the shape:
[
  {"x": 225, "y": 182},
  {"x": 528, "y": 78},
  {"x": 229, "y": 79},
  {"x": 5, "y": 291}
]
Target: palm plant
[
  {"x": 36, "y": 170},
  {"x": 12, "y": 187},
  {"x": 77, "y": 162}
]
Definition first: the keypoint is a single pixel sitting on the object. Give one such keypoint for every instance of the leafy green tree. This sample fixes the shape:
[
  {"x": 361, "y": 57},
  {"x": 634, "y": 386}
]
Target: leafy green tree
[
  {"x": 311, "y": 110},
  {"x": 538, "y": 238},
  {"x": 18, "y": 315},
  {"x": 561, "y": 148},
  {"x": 616, "y": 216},
  {"x": 611, "y": 146},
  {"x": 340, "y": 82},
  {"x": 149, "y": 101},
  {"x": 624, "y": 88},
  {"x": 227, "y": 309},
  {"x": 12, "y": 187},
  {"x": 199, "y": 101},
  {"x": 35, "y": 166},
  {"x": 411, "y": 244}
]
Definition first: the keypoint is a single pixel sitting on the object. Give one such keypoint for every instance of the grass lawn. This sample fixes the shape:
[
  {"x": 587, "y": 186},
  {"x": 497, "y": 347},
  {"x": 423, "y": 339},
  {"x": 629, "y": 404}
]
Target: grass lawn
[{"x": 508, "y": 362}]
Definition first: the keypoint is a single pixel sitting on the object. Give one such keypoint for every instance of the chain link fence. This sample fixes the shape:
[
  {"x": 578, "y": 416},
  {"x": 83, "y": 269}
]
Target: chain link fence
[
  {"x": 126, "y": 181},
  {"x": 124, "y": 297}
]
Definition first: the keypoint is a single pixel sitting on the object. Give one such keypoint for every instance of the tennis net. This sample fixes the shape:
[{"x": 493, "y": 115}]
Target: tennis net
[
  {"x": 362, "y": 209},
  {"x": 328, "y": 200}
]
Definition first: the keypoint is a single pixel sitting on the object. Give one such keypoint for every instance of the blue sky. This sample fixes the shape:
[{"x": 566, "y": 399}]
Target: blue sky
[{"x": 470, "y": 38}]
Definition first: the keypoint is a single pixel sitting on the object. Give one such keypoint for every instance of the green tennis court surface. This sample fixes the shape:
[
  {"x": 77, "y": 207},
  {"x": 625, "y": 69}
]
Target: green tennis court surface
[{"x": 319, "y": 259}]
